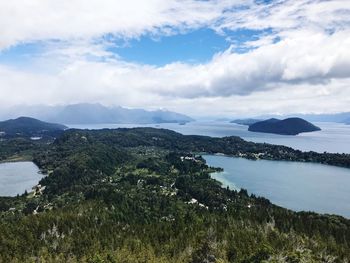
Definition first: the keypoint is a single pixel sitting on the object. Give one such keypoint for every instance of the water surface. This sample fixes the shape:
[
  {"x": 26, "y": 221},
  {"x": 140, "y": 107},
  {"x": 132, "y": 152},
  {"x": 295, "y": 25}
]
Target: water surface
[
  {"x": 334, "y": 137},
  {"x": 294, "y": 185},
  {"x": 17, "y": 177}
]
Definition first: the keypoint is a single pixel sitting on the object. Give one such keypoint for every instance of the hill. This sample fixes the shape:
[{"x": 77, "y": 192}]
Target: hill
[
  {"x": 289, "y": 126},
  {"x": 87, "y": 113},
  {"x": 29, "y": 127},
  {"x": 341, "y": 117}
]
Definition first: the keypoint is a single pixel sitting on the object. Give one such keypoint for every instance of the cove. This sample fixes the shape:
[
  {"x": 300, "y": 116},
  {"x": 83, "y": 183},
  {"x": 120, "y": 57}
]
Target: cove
[{"x": 294, "y": 185}]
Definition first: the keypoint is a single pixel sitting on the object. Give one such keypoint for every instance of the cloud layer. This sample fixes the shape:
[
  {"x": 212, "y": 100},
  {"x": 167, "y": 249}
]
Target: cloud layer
[
  {"x": 301, "y": 61},
  {"x": 33, "y": 20}
]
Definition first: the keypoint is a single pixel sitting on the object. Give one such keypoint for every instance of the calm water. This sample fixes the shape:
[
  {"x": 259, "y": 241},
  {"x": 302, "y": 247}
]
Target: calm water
[
  {"x": 17, "y": 177},
  {"x": 294, "y": 185},
  {"x": 298, "y": 186},
  {"x": 334, "y": 137}
]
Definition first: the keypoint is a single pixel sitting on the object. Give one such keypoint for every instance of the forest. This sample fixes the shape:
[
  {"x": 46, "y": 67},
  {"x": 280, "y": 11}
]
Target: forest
[{"x": 146, "y": 195}]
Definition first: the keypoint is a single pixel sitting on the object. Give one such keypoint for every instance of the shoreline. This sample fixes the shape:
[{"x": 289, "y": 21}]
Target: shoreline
[
  {"x": 16, "y": 159},
  {"x": 224, "y": 178}
]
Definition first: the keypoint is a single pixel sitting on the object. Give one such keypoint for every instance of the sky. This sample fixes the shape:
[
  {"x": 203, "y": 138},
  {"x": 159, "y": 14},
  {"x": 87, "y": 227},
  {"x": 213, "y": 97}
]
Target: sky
[{"x": 198, "y": 57}]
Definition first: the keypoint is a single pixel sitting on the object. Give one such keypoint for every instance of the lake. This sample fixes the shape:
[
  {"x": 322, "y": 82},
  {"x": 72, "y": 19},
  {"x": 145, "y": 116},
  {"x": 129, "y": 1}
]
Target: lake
[
  {"x": 298, "y": 186},
  {"x": 334, "y": 137},
  {"x": 16, "y": 177},
  {"x": 294, "y": 185}
]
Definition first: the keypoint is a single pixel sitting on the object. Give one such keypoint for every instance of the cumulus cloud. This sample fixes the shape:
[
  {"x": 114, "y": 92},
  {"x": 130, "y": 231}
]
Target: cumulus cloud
[
  {"x": 308, "y": 57},
  {"x": 284, "y": 15},
  {"x": 309, "y": 60},
  {"x": 302, "y": 63},
  {"x": 32, "y": 20}
]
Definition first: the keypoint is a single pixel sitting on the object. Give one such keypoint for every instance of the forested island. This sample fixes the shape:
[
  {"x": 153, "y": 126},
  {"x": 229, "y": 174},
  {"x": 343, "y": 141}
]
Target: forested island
[
  {"x": 146, "y": 195},
  {"x": 289, "y": 126}
]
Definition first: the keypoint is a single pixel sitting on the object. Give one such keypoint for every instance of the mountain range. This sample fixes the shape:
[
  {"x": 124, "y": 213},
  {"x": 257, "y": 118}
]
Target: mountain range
[
  {"x": 86, "y": 113},
  {"x": 247, "y": 122},
  {"x": 342, "y": 117}
]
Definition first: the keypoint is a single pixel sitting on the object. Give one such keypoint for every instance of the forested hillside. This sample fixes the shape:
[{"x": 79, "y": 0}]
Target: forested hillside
[
  {"x": 146, "y": 195},
  {"x": 29, "y": 127}
]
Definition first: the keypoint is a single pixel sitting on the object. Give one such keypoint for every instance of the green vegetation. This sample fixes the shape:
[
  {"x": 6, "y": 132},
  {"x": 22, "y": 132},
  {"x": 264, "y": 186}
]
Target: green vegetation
[
  {"x": 29, "y": 127},
  {"x": 289, "y": 126},
  {"x": 146, "y": 195}
]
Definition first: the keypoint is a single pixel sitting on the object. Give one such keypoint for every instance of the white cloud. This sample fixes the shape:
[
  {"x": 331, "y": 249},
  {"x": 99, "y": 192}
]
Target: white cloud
[
  {"x": 308, "y": 68},
  {"x": 305, "y": 72},
  {"x": 33, "y": 20},
  {"x": 284, "y": 15}
]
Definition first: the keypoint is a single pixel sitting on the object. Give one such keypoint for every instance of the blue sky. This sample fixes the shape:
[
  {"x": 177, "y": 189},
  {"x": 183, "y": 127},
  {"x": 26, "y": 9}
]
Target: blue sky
[
  {"x": 212, "y": 57},
  {"x": 21, "y": 55},
  {"x": 194, "y": 46},
  {"x": 198, "y": 46}
]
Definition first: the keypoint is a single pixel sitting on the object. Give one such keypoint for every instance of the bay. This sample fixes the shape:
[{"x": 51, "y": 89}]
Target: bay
[{"x": 294, "y": 185}]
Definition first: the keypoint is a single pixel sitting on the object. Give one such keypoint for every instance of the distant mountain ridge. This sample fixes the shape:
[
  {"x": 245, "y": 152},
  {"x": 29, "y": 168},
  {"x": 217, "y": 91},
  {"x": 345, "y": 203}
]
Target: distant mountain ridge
[
  {"x": 341, "y": 117},
  {"x": 248, "y": 121},
  {"x": 29, "y": 127},
  {"x": 289, "y": 126},
  {"x": 86, "y": 113}
]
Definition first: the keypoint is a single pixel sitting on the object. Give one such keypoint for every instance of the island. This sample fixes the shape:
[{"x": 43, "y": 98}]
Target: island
[{"x": 289, "y": 126}]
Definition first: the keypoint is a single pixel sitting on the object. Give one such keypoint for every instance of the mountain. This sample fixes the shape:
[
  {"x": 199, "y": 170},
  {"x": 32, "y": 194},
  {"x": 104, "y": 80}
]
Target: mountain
[
  {"x": 86, "y": 113},
  {"x": 245, "y": 121},
  {"x": 289, "y": 126},
  {"x": 222, "y": 119},
  {"x": 341, "y": 117},
  {"x": 29, "y": 127},
  {"x": 336, "y": 117}
]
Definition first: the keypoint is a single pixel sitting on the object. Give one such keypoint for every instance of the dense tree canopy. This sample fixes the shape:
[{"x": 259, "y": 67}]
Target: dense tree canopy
[{"x": 146, "y": 195}]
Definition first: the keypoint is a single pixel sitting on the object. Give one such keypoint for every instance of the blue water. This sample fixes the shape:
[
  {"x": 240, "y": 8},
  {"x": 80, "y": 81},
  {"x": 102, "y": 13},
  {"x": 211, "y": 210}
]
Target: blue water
[
  {"x": 294, "y": 185},
  {"x": 334, "y": 137},
  {"x": 17, "y": 177},
  {"x": 298, "y": 186}
]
